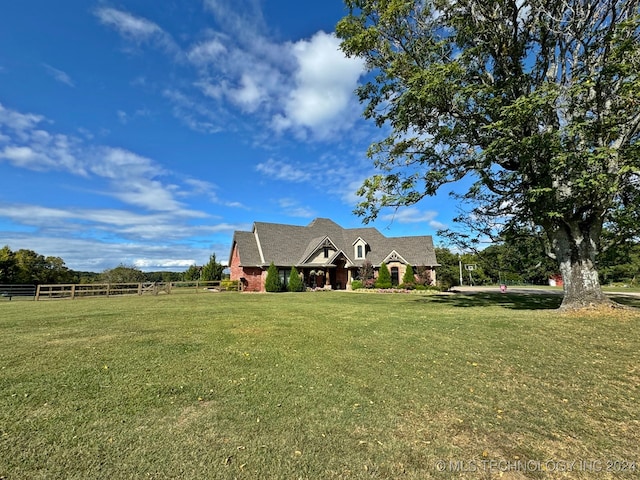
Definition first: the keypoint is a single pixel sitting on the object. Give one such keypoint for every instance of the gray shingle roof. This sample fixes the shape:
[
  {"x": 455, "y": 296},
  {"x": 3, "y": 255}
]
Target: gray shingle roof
[{"x": 287, "y": 245}]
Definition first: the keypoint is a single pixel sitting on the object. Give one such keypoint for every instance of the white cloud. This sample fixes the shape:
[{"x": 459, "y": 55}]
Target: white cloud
[
  {"x": 132, "y": 178},
  {"x": 128, "y": 25},
  {"x": 118, "y": 163},
  {"x": 18, "y": 121},
  {"x": 193, "y": 114},
  {"x": 305, "y": 87},
  {"x": 283, "y": 171},
  {"x": 207, "y": 52},
  {"x": 414, "y": 215},
  {"x": 162, "y": 263},
  {"x": 325, "y": 80},
  {"x": 138, "y": 29},
  {"x": 29, "y": 146},
  {"x": 96, "y": 256},
  {"x": 242, "y": 17},
  {"x": 59, "y": 75},
  {"x": 292, "y": 208}
]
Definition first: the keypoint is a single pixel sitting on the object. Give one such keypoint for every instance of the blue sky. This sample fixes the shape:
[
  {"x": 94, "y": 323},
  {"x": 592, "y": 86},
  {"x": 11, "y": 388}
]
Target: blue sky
[{"x": 146, "y": 133}]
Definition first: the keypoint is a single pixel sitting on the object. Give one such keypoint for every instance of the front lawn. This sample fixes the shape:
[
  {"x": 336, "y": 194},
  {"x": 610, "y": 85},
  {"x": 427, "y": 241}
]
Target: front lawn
[{"x": 326, "y": 385}]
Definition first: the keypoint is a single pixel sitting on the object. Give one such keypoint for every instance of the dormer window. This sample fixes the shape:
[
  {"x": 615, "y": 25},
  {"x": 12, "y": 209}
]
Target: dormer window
[{"x": 360, "y": 249}]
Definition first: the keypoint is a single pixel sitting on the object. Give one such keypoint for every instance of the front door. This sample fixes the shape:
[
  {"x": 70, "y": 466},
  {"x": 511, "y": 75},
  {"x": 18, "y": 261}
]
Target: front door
[
  {"x": 395, "y": 276},
  {"x": 341, "y": 276}
]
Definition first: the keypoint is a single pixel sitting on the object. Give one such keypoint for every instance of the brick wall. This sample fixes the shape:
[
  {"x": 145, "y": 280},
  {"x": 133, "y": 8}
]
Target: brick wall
[{"x": 252, "y": 275}]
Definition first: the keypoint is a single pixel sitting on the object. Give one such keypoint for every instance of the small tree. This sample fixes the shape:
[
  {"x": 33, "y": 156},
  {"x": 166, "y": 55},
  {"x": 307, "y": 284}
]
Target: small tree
[
  {"x": 424, "y": 275},
  {"x": 408, "y": 278},
  {"x": 122, "y": 274},
  {"x": 366, "y": 274},
  {"x": 384, "y": 277},
  {"x": 295, "y": 282},
  {"x": 272, "y": 283},
  {"x": 212, "y": 271},
  {"x": 192, "y": 273}
]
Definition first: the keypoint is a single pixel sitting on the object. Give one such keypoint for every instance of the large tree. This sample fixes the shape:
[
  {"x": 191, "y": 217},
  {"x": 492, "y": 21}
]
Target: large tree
[{"x": 536, "y": 100}]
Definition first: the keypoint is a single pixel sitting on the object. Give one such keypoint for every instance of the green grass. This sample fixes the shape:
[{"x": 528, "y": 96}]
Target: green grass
[{"x": 325, "y": 385}]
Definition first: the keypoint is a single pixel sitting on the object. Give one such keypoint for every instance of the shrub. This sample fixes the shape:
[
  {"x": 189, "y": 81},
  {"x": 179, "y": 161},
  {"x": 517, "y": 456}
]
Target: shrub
[
  {"x": 384, "y": 277},
  {"x": 295, "y": 282},
  {"x": 357, "y": 285},
  {"x": 229, "y": 284},
  {"x": 366, "y": 271},
  {"x": 272, "y": 282},
  {"x": 408, "y": 278}
]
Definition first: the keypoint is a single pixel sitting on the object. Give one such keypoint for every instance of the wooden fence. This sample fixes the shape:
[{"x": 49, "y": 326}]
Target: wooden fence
[
  {"x": 8, "y": 292},
  {"x": 73, "y": 291}
]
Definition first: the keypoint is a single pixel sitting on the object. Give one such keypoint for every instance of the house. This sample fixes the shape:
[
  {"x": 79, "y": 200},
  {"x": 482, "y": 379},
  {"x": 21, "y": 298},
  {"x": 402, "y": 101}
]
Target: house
[{"x": 325, "y": 254}]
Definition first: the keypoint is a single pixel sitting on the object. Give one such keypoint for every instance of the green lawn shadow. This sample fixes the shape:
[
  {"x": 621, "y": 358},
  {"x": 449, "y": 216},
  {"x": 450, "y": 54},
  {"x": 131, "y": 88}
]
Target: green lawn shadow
[
  {"x": 518, "y": 301},
  {"x": 513, "y": 301},
  {"x": 626, "y": 300}
]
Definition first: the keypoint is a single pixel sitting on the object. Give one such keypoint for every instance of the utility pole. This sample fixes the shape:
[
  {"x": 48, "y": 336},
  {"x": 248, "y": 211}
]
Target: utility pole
[{"x": 460, "y": 265}]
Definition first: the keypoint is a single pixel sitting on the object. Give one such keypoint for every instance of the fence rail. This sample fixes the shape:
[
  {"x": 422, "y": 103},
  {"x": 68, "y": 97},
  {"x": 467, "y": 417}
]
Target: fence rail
[
  {"x": 8, "y": 292},
  {"x": 84, "y": 290}
]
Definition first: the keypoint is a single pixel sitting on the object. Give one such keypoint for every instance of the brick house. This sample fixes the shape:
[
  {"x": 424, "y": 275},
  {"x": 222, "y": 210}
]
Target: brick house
[{"x": 327, "y": 255}]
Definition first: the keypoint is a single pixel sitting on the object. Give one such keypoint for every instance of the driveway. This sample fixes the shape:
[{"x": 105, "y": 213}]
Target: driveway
[{"x": 533, "y": 290}]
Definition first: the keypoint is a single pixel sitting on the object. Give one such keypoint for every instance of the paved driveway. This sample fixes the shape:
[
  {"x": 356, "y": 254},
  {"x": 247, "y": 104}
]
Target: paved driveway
[{"x": 533, "y": 290}]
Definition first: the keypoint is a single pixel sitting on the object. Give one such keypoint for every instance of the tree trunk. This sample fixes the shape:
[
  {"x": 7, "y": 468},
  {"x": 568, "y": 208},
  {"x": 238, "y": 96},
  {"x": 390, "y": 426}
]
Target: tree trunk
[{"x": 575, "y": 247}]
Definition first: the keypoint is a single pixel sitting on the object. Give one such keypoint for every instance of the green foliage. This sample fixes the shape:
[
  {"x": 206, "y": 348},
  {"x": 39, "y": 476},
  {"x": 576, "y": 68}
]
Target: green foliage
[
  {"x": 29, "y": 267},
  {"x": 212, "y": 271},
  {"x": 122, "y": 274},
  {"x": 7, "y": 265},
  {"x": 518, "y": 259},
  {"x": 356, "y": 284},
  {"x": 192, "y": 273},
  {"x": 408, "y": 278},
  {"x": 621, "y": 264},
  {"x": 165, "y": 277},
  {"x": 295, "y": 281},
  {"x": 272, "y": 282},
  {"x": 384, "y": 277},
  {"x": 448, "y": 273},
  {"x": 424, "y": 276},
  {"x": 230, "y": 285}
]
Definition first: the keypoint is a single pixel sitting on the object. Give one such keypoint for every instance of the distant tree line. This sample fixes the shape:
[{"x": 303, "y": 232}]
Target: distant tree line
[
  {"x": 29, "y": 267},
  {"x": 523, "y": 260},
  {"x": 512, "y": 261}
]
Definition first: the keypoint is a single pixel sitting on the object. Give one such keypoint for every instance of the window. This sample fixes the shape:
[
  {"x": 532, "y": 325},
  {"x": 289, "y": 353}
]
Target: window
[
  {"x": 395, "y": 277},
  {"x": 359, "y": 253},
  {"x": 284, "y": 277}
]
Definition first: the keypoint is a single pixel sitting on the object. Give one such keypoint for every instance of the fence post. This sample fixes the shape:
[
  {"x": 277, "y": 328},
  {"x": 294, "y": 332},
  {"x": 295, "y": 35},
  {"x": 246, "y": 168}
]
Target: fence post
[
  {"x": 38, "y": 293},
  {"x": 139, "y": 289},
  {"x": 108, "y": 288},
  {"x": 73, "y": 292}
]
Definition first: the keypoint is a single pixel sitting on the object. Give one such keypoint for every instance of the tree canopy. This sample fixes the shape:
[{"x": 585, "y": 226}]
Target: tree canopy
[
  {"x": 122, "y": 274},
  {"x": 28, "y": 267},
  {"x": 535, "y": 100}
]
